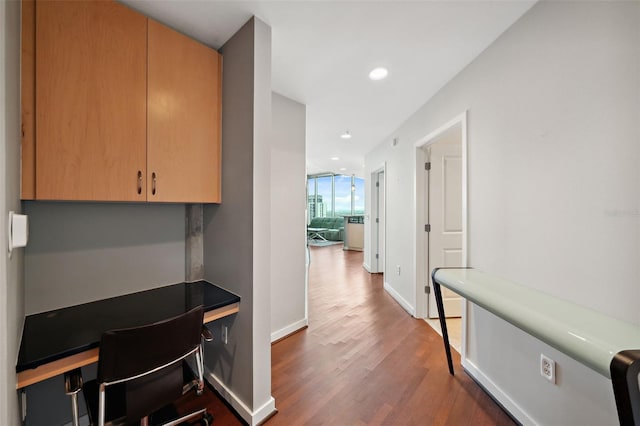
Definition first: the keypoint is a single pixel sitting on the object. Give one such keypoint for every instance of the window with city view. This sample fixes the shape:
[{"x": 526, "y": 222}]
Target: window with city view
[{"x": 334, "y": 195}]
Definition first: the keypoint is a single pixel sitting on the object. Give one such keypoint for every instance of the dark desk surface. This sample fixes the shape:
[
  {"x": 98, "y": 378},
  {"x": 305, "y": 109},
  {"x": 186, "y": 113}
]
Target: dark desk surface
[{"x": 53, "y": 335}]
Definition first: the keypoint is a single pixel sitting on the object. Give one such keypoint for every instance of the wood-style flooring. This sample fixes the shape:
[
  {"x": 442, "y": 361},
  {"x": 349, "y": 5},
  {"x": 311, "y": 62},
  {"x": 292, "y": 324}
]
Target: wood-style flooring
[{"x": 364, "y": 361}]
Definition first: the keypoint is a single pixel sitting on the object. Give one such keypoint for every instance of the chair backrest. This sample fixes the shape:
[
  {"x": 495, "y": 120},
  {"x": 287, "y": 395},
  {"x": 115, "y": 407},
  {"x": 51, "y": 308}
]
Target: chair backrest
[{"x": 127, "y": 353}]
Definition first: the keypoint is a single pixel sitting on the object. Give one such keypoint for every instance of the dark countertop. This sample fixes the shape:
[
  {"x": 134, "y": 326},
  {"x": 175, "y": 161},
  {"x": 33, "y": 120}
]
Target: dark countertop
[{"x": 60, "y": 333}]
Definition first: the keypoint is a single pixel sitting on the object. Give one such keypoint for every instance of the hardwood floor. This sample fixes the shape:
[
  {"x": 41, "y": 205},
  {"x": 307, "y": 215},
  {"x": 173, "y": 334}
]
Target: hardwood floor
[{"x": 365, "y": 361}]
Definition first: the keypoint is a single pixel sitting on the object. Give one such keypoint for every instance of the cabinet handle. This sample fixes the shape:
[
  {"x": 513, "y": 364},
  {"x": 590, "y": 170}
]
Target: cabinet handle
[
  {"x": 139, "y": 182},
  {"x": 153, "y": 183}
]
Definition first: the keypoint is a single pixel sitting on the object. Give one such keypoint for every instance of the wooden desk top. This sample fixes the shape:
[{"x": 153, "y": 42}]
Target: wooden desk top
[{"x": 57, "y": 341}]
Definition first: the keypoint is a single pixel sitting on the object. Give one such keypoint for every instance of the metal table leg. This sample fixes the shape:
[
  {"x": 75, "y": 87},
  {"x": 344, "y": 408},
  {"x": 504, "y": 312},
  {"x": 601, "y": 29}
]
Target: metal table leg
[{"x": 443, "y": 323}]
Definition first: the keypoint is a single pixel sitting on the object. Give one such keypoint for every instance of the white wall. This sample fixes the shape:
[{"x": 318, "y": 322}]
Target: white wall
[
  {"x": 11, "y": 276},
  {"x": 4, "y": 302},
  {"x": 288, "y": 230},
  {"x": 554, "y": 190}
]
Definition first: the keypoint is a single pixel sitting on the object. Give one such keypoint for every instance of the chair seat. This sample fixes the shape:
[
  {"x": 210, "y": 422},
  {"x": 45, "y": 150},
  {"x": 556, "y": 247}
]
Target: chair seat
[
  {"x": 141, "y": 370},
  {"x": 123, "y": 410}
]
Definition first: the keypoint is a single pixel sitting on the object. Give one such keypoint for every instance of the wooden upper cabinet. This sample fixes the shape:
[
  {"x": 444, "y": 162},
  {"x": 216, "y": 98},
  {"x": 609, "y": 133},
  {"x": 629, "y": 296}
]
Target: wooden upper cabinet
[
  {"x": 28, "y": 100},
  {"x": 184, "y": 112},
  {"x": 91, "y": 75},
  {"x": 116, "y": 107}
]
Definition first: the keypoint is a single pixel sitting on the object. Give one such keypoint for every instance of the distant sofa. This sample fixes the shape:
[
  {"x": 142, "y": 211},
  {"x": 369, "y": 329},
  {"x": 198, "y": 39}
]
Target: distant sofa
[{"x": 335, "y": 226}]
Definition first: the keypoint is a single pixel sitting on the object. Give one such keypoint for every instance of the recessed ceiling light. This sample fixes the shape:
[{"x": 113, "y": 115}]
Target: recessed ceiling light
[
  {"x": 378, "y": 73},
  {"x": 342, "y": 169},
  {"x": 346, "y": 135},
  {"x": 335, "y": 158}
]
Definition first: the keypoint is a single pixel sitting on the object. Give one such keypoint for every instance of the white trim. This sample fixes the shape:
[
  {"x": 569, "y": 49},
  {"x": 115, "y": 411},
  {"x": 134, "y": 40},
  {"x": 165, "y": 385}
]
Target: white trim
[
  {"x": 374, "y": 195},
  {"x": 461, "y": 118},
  {"x": 401, "y": 301},
  {"x": 251, "y": 417},
  {"x": 263, "y": 412},
  {"x": 291, "y": 328},
  {"x": 419, "y": 220},
  {"x": 498, "y": 394},
  {"x": 418, "y": 215},
  {"x": 380, "y": 168},
  {"x": 366, "y": 266}
]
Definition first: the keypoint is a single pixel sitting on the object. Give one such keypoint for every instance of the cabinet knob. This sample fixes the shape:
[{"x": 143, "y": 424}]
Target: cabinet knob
[
  {"x": 153, "y": 183},
  {"x": 139, "y": 182}
]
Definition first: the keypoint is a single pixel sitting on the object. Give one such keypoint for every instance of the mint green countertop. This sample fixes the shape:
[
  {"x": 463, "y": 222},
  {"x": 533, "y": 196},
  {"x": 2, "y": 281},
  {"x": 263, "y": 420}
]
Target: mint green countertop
[{"x": 586, "y": 335}]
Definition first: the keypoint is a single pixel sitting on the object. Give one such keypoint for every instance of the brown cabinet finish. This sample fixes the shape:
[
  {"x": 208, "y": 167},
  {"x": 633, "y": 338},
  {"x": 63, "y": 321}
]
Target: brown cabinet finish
[
  {"x": 28, "y": 101},
  {"x": 90, "y": 96},
  {"x": 117, "y": 107},
  {"x": 184, "y": 104}
]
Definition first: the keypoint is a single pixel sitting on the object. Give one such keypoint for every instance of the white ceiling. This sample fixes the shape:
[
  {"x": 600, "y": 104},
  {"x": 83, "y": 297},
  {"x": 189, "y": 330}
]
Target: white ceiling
[{"x": 323, "y": 51}]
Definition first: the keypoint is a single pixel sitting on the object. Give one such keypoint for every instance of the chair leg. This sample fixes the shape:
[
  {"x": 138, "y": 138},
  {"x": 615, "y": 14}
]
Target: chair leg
[
  {"x": 207, "y": 336},
  {"x": 207, "y": 418},
  {"x": 200, "y": 366},
  {"x": 74, "y": 409},
  {"x": 73, "y": 385},
  {"x": 101, "y": 404}
]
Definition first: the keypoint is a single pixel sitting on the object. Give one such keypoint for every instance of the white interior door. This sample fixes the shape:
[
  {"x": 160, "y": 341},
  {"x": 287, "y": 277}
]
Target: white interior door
[
  {"x": 445, "y": 217},
  {"x": 380, "y": 222}
]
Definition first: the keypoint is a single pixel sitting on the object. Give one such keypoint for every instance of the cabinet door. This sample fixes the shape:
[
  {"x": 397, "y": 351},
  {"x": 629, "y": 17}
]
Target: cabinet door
[
  {"x": 90, "y": 101},
  {"x": 184, "y": 106}
]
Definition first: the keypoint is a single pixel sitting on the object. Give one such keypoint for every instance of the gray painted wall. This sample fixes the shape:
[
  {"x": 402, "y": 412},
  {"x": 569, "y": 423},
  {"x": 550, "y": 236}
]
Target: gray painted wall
[
  {"x": 236, "y": 232},
  {"x": 288, "y": 223},
  {"x": 553, "y": 129},
  {"x": 228, "y": 230},
  {"x": 80, "y": 252},
  {"x": 263, "y": 402},
  {"x": 11, "y": 275}
]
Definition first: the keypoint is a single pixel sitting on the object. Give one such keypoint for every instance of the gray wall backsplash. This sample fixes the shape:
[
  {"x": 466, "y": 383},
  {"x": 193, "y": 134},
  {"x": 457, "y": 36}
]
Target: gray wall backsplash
[{"x": 80, "y": 252}]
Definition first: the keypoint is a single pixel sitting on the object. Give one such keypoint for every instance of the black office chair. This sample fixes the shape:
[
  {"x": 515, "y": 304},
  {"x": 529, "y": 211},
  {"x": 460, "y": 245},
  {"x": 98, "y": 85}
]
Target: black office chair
[{"x": 140, "y": 371}]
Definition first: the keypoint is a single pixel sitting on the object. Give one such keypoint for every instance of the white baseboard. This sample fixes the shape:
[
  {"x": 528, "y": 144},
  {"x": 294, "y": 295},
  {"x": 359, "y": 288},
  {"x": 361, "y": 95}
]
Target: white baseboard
[
  {"x": 405, "y": 305},
  {"x": 366, "y": 266},
  {"x": 251, "y": 417},
  {"x": 267, "y": 410},
  {"x": 292, "y": 328},
  {"x": 497, "y": 394}
]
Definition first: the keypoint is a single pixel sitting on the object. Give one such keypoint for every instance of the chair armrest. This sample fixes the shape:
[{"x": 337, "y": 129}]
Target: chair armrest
[
  {"x": 73, "y": 381},
  {"x": 206, "y": 334}
]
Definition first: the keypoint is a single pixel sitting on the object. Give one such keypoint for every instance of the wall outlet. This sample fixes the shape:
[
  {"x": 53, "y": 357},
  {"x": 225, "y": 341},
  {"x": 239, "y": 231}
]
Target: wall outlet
[
  {"x": 224, "y": 334},
  {"x": 398, "y": 269},
  {"x": 548, "y": 368}
]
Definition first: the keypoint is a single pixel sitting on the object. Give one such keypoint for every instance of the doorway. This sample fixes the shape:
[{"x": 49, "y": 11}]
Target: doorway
[
  {"x": 443, "y": 208},
  {"x": 378, "y": 208},
  {"x": 441, "y": 219}
]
